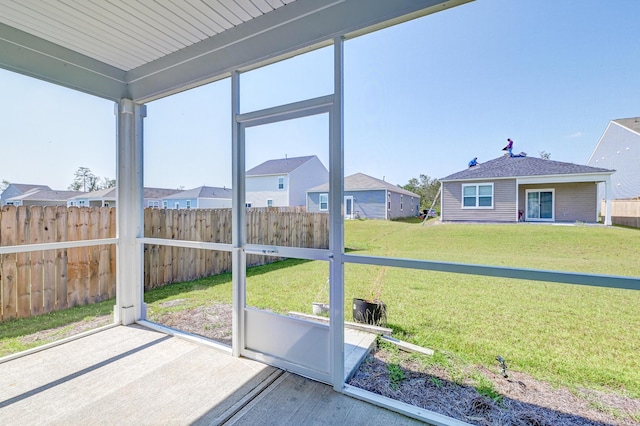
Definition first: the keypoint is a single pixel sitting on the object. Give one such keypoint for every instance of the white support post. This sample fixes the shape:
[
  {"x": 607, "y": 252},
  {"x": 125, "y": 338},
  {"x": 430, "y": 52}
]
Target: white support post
[
  {"x": 129, "y": 213},
  {"x": 238, "y": 224},
  {"x": 336, "y": 221},
  {"x": 607, "y": 192}
]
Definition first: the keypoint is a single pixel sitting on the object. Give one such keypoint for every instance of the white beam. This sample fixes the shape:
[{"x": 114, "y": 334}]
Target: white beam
[
  {"x": 300, "y": 26},
  {"x": 32, "y": 56}
]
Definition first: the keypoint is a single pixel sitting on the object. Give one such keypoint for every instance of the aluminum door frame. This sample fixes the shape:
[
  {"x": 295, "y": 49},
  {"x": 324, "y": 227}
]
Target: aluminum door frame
[{"x": 328, "y": 365}]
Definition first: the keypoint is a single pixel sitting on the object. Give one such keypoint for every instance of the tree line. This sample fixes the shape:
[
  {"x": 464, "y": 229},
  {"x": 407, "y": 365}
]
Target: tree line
[{"x": 83, "y": 180}]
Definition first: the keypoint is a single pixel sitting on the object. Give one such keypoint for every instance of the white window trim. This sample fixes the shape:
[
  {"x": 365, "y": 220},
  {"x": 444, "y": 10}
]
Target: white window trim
[
  {"x": 188, "y": 203},
  {"x": 477, "y": 206},
  {"x": 269, "y": 200},
  {"x": 283, "y": 183},
  {"x": 320, "y": 202}
]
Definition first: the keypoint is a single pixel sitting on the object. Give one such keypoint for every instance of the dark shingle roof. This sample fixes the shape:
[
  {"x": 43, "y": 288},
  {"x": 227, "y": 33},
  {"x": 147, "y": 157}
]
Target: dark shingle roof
[
  {"x": 507, "y": 167},
  {"x": 362, "y": 182},
  {"x": 202, "y": 192},
  {"x": 280, "y": 166}
]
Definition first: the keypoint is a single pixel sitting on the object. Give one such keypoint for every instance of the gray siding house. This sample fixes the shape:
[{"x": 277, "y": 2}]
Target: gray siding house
[
  {"x": 367, "y": 197},
  {"x": 511, "y": 189},
  {"x": 202, "y": 197},
  {"x": 619, "y": 149},
  {"x": 284, "y": 182}
]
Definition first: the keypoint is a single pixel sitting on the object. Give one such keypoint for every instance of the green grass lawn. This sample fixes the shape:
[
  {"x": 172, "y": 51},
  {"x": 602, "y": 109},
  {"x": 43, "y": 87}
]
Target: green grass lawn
[{"x": 565, "y": 334}]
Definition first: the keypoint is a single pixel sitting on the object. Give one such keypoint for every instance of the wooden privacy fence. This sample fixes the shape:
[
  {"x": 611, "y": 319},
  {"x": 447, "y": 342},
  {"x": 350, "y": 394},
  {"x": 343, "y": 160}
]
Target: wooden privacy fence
[
  {"x": 625, "y": 212},
  {"x": 43, "y": 281},
  {"x": 48, "y": 280}
]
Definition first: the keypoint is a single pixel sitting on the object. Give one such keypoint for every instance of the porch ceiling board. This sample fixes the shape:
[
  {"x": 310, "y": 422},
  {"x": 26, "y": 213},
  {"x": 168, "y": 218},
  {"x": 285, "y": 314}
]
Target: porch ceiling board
[{"x": 148, "y": 49}]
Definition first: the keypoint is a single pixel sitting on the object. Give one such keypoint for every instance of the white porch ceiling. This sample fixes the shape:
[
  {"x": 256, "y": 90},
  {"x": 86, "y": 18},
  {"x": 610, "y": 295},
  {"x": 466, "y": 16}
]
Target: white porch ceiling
[{"x": 144, "y": 49}]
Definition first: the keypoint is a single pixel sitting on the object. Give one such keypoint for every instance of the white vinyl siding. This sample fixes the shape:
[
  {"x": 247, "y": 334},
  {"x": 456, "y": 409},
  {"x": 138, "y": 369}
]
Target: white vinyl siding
[{"x": 477, "y": 196}]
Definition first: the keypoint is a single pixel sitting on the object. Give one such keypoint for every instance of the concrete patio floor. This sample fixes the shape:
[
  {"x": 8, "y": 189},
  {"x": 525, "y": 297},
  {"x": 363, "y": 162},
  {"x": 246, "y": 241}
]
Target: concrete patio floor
[{"x": 134, "y": 375}]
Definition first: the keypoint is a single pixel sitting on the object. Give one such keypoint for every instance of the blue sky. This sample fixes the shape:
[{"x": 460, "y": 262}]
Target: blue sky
[{"x": 423, "y": 97}]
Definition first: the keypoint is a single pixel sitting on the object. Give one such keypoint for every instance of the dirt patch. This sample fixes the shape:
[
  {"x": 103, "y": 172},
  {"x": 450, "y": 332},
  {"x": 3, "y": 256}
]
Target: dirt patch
[{"x": 212, "y": 322}]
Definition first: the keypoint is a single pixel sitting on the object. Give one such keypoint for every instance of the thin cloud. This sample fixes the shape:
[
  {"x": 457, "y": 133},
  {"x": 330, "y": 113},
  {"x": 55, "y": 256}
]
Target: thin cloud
[{"x": 574, "y": 135}]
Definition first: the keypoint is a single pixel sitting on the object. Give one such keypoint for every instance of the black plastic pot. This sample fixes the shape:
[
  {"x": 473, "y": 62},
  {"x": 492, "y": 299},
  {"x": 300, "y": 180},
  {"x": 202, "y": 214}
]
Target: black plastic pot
[{"x": 370, "y": 312}]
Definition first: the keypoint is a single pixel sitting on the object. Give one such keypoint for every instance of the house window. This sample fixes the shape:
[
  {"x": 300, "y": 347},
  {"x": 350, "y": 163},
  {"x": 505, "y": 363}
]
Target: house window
[
  {"x": 388, "y": 201},
  {"x": 188, "y": 204},
  {"x": 177, "y": 205},
  {"x": 81, "y": 203},
  {"x": 401, "y": 202},
  {"x": 324, "y": 202},
  {"x": 247, "y": 204},
  {"x": 106, "y": 204},
  {"x": 153, "y": 204},
  {"x": 269, "y": 202},
  {"x": 478, "y": 196},
  {"x": 280, "y": 182},
  {"x": 71, "y": 203},
  {"x": 165, "y": 204},
  {"x": 411, "y": 203}
]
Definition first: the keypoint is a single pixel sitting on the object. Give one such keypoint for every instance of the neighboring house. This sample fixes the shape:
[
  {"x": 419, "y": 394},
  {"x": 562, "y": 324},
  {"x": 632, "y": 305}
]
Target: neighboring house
[
  {"x": 203, "y": 197},
  {"x": 508, "y": 189},
  {"x": 367, "y": 197},
  {"x": 42, "y": 197},
  {"x": 284, "y": 182},
  {"x": 619, "y": 149},
  {"x": 107, "y": 197},
  {"x": 16, "y": 189}
]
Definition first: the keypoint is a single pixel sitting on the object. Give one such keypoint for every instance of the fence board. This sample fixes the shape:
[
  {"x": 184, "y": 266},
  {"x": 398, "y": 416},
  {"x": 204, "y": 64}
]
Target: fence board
[
  {"x": 36, "y": 230},
  {"x": 23, "y": 306},
  {"x": 9, "y": 294},
  {"x": 74, "y": 269},
  {"x": 62, "y": 272},
  {"x": 49, "y": 259},
  {"x": 93, "y": 252}
]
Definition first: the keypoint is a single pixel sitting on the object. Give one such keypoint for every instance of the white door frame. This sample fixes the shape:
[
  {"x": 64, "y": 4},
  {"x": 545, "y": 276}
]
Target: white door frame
[
  {"x": 348, "y": 202},
  {"x": 553, "y": 205}
]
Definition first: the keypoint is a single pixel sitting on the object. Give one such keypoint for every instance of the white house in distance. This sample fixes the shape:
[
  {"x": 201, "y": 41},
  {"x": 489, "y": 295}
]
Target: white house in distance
[
  {"x": 619, "y": 149},
  {"x": 17, "y": 189},
  {"x": 284, "y": 182},
  {"x": 202, "y": 197},
  {"x": 107, "y": 197}
]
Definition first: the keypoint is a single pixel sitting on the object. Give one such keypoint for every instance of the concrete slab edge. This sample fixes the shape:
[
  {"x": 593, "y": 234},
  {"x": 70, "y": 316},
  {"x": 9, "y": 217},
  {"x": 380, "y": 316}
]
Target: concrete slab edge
[
  {"x": 186, "y": 336},
  {"x": 428, "y": 416},
  {"x": 257, "y": 398},
  {"x": 248, "y": 398}
]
